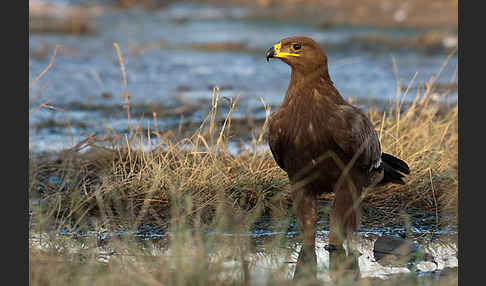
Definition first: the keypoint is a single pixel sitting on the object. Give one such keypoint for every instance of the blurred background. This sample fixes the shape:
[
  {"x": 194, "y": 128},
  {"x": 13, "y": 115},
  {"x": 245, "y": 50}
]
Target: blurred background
[{"x": 176, "y": 52}]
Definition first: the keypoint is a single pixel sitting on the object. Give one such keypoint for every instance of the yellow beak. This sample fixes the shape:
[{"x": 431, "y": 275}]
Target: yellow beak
[{"x": 274, "y": 52}]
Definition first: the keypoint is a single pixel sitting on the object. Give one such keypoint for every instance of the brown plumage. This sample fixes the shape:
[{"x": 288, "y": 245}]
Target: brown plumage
[{"x": 325, "y": 145}]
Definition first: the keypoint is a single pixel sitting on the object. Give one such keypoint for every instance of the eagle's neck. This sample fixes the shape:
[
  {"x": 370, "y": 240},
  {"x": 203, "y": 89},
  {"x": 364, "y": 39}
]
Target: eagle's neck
[
  {"x": 300, "y": 77},
  {"x": 304, "y": 82}
]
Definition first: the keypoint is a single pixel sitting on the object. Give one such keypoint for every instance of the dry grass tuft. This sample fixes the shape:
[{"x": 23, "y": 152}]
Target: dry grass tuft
[
  {"x": 426, "y": 136},
  {"x": 135, "y": 180}
]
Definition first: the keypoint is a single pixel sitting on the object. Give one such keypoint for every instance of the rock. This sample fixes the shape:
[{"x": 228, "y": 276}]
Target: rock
[
  {"x": 393, "y": 245},
  {"x": 394, "y": 250}
]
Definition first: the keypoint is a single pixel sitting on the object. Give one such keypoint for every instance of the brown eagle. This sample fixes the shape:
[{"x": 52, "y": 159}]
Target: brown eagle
[{"x": 325, "y": 145}]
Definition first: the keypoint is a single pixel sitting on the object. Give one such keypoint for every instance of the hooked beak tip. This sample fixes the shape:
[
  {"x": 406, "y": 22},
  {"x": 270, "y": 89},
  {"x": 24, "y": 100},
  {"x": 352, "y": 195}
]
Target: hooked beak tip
[{"x": 270, "y": 53}]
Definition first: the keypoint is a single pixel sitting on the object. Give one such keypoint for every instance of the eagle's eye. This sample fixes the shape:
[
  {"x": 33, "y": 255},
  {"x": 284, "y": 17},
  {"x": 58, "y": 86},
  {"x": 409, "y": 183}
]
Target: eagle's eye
[{"x": 296, "y": 46}]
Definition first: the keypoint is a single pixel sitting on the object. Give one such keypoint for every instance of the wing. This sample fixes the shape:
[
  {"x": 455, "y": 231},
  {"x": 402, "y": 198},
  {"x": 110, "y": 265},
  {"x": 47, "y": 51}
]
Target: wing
[
  {"x": 353, "y": 132},
  {"x": 275, "y": 141}
]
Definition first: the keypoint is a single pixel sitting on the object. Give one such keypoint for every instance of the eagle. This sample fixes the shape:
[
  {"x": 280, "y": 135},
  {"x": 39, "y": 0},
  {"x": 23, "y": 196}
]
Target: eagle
[{"x": 325, "y": 145}]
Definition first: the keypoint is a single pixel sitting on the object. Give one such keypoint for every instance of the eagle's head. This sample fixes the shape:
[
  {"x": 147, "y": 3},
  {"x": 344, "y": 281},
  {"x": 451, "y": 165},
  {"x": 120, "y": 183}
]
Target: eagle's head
[{"x": 301, "y": 53}]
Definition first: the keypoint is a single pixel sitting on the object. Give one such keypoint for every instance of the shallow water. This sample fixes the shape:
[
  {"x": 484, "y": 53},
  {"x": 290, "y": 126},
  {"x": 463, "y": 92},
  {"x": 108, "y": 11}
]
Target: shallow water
[
  {"x": 262, "y": 262},
  {"x": 163, "y": 67}
]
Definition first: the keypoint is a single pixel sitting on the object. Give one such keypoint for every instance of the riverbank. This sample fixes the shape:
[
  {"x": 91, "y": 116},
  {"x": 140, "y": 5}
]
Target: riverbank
[{"x": 432, "y": 14}]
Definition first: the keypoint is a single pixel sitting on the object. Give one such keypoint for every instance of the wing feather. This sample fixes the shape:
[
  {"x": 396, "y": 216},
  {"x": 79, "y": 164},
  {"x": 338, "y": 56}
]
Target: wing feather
[
  {"x": 353, "y": 132},
  {"x": 274, "y": 141}
]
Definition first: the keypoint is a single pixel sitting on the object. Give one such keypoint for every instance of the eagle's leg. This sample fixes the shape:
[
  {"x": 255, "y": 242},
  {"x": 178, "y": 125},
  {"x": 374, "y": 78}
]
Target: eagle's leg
[
  {"x": 342, "y": 266},
  {"x": 305, "y": 207},
  {"x": 345, "y": 215},
  {"x": 344, "y": 222}
]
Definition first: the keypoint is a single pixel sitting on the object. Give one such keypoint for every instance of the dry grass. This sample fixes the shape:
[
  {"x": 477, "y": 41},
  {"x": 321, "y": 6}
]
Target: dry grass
[
  {"x": 122, "y": 176},
  {"x": 118, "y": 178},
  {"x": 427, "y": 138}
]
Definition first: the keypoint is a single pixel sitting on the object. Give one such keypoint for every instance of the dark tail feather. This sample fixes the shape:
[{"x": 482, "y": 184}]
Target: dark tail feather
[
  {"x": 393, "y": 167},
  {"x": 395, "y": 163}
]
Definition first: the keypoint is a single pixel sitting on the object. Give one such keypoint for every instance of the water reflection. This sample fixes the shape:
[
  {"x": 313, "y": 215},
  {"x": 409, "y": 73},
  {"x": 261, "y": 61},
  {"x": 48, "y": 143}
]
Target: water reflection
[
  {"x": 343, "y": 265},
  {"x": 260, "y": 266}
]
